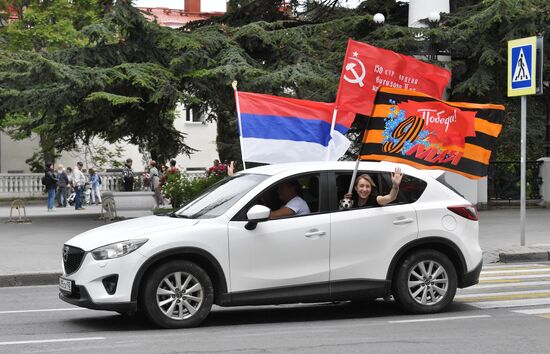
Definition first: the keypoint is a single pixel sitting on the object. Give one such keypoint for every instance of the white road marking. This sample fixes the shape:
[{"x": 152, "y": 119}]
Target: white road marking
[
  {"x": 43, "y": 310},
  {"x": 276, "y": 333},
  {"x": 518, "y": 265},
  {"x": 440, "y": 319},
  {"x": 52, "y": 340},
  {"x": 518, "y": 284},
  {"x": 509, "y": 303},
  {"x": 504, "y": 293},
  {"x": 512, "y": 271},
  {"x": 534, "y": 311},
  {"x": 530, "y": 276}
]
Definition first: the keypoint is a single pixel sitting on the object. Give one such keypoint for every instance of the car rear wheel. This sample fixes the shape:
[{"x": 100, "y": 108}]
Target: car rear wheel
[
  {"x": 178, "y": 294},
  {"x": 425, "y": 282}
]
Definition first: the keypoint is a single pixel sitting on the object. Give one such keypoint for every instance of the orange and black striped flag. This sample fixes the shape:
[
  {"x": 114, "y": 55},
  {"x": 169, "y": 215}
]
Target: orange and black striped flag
[{"x": 416, "y": 129}]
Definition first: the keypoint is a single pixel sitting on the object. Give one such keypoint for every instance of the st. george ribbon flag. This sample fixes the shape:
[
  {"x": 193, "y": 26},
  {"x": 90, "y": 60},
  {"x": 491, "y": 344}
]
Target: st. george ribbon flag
[
  {"x": 416, "y": 129},
  {"x": 366, "y": 68},
  {"x": 278, "y": 129}
]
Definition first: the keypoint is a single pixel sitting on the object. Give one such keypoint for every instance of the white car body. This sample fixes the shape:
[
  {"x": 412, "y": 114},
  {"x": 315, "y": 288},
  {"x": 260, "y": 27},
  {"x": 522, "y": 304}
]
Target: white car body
[{"x": 326, "y": 255}]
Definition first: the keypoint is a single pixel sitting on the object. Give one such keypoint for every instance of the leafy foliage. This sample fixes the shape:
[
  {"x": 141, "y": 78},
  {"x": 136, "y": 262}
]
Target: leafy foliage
[
  {"x": 181, "y": 189},
  {"x": 118, "y": 77}
]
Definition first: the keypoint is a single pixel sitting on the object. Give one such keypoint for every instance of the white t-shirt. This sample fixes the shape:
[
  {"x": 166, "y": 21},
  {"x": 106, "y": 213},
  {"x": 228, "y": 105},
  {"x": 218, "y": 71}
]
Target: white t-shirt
[{"x": 298, "y": 205}]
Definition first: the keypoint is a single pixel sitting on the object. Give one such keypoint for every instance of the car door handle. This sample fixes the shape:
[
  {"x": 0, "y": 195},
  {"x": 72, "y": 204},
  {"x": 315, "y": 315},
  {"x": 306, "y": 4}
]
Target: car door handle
[
  {"x": 314, "y": 234},
  {"x": 403, "y": 221}
]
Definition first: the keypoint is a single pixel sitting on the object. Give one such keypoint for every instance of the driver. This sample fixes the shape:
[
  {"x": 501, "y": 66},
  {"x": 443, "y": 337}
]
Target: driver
[{"x": 294, "y": 204}]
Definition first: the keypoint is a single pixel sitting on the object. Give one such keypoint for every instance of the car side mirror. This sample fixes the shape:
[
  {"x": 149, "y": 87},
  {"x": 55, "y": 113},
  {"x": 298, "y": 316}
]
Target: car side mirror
[{"x": 256, "y": 214}]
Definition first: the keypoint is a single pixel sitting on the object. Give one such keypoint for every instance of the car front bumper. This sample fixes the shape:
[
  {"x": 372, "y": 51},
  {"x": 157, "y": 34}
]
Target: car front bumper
[{"x": 81, "y": 297}]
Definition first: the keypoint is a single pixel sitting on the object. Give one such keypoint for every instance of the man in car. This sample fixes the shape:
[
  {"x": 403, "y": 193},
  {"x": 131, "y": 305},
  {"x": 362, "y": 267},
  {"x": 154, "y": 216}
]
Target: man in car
[{"x": 289, "y": 193}]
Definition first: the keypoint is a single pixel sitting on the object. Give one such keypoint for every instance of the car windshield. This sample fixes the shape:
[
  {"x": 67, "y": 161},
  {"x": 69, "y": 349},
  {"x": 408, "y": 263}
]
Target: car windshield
[{"x": 220, "y": 197}]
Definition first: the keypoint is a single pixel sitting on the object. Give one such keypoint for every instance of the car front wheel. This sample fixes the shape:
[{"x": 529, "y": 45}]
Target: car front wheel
[
  {"x": 426, "y": 282},
  {"x": 178, "y": 294}
]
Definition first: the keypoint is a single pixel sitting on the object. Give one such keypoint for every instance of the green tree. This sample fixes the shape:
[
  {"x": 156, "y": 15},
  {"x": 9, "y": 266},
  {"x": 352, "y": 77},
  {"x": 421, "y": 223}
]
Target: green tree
[
  {"x": 301, "y": 56},
  {"x": 117, "y": 86}
]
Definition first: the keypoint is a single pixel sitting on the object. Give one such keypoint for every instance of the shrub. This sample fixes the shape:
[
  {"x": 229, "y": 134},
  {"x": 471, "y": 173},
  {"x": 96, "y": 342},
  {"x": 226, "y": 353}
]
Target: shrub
[{"x": 181, "y": 189}]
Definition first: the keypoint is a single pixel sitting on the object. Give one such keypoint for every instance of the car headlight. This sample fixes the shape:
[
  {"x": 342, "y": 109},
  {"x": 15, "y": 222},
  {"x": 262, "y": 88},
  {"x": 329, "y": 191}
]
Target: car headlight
[{"x": 118, "y": 249}]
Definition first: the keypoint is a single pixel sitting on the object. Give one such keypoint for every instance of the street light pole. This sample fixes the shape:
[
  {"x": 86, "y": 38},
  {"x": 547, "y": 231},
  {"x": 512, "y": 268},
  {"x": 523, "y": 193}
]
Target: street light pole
[{"x": 433, "y": 18}]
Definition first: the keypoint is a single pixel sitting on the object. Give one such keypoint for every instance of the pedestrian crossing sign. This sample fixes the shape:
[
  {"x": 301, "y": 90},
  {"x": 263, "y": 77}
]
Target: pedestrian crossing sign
[{"x": 521, "y": 66}]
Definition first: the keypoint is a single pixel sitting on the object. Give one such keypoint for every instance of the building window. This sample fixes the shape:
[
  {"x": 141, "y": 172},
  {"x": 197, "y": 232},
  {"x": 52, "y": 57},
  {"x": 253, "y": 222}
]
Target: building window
[{"x": 194, "y": 115}]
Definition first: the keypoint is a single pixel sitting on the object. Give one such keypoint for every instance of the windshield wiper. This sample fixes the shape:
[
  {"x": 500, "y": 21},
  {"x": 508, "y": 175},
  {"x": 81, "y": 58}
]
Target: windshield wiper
[{"x": 174, "y": 215}]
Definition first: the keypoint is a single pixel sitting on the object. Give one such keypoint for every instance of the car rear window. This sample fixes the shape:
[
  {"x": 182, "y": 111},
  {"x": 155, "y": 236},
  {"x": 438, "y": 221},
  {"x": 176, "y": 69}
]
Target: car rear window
[{"x": 410, "y": 190}]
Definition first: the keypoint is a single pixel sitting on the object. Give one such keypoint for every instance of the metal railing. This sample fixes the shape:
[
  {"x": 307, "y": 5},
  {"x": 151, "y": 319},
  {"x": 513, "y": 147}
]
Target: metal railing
[
  {"x": 29, "y": 185},
  {"x": 503, "y": 182}
]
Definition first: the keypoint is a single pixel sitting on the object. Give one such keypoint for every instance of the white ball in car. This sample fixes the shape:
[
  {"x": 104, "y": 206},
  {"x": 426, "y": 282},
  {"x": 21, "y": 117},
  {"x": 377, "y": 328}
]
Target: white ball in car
[{"x": 345, "y": 204}]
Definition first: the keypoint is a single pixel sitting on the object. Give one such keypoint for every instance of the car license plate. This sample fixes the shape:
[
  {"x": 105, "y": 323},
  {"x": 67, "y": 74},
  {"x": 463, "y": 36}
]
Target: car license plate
[{"x": 65, "y": 285}]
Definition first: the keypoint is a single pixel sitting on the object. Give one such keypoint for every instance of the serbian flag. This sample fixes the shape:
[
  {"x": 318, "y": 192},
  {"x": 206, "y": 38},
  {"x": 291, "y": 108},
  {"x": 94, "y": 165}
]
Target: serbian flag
[
  {"x": 277, "y": 129},
  {"x": 416, "y": 129},
  {"x": 366, "y": 68}
]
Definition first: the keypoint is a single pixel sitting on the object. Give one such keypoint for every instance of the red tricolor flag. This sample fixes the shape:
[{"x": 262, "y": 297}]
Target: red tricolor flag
[
  {"x": 366, "y": 68},
  {"x": 418, "y": 130}
]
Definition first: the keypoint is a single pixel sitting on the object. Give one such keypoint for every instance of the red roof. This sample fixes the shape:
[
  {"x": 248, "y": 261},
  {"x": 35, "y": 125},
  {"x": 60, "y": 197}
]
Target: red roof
[{"x": 175, "y": 18}]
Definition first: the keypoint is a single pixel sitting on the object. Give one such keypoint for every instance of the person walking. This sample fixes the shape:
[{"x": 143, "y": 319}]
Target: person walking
[
  {"x": 128, "y": 176},
  {"x": 154, "y": 181},
  {"x": 62, "y": 186},
  {"x": 50, "y": 181},
  {"x": 95, "y": 183},
  {"x": 78, "y": 183}
]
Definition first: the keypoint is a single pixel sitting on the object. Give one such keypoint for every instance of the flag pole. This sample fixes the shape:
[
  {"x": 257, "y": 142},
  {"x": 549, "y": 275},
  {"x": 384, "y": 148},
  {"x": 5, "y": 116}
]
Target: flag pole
[
  {"x": 332, "y": 125},
  {"x": 352, "y": 182},
  {"x": 234, "y": 84}
]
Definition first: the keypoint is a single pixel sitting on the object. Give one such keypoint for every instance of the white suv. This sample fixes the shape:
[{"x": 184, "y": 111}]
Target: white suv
[{"x": 223, "y": 249}]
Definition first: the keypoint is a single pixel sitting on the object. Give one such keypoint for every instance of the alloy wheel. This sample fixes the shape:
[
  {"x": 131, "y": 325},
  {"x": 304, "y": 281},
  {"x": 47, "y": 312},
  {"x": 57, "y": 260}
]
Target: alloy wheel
[
  {"x": 179, "y": 295},
  {"x": 428, "y": 282}
]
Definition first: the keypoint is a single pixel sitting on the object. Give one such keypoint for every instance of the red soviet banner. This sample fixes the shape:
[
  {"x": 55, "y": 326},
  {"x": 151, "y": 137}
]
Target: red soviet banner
[{"x": 366, "y": 68}]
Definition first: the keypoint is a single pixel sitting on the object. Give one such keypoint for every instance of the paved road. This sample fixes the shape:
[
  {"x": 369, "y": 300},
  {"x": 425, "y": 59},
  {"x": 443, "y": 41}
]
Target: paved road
[{"x": 481, "y": 320}]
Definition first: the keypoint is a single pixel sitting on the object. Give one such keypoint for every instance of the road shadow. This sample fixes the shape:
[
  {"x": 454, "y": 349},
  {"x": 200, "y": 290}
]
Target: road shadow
[{"x": 252, "y": 315}]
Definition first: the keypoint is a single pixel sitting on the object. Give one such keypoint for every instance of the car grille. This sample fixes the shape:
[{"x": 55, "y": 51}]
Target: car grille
[{"x": 72, "y": 258}]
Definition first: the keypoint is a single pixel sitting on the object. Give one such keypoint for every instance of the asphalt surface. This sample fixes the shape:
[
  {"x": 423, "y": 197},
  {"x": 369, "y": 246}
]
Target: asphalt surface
[{"x": 33, "y": 320}]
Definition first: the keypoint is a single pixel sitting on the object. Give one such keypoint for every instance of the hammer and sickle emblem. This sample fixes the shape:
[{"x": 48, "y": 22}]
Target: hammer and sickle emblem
[{"x": 357, "y": 79}]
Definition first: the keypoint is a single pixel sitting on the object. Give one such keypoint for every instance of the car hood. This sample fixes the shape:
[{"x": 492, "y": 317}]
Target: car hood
[{"x": 145, "y": 227}]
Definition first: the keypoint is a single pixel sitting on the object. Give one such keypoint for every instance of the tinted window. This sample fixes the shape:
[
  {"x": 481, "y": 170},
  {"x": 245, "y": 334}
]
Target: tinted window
[{"x": 410, "y": 190}]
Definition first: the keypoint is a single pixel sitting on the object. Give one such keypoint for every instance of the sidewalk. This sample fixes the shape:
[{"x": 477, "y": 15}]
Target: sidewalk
[
  {"x": 31, "y": 253},
  {"x": 35, "y": 248}
]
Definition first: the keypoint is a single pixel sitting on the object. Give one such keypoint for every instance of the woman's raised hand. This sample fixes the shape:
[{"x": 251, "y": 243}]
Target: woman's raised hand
[{"x": 396, "y": 177}]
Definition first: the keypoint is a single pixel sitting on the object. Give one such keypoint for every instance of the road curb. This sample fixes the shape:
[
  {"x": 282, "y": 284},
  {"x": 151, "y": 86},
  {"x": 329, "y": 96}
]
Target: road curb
[
  {"x": 29, "y": 279},
  {"x": 535, "y": 256}
]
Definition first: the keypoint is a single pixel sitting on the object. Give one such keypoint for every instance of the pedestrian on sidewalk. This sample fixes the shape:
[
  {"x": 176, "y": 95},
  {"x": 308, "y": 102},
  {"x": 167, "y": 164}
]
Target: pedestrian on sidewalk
[
  {"x": 51, "y": 183},
  {"x": 62, "y": 186},
  {"x": 78, "y": 183},
  {"x": 154, "y": 179},
  {"x": 95, "y": 183},
  {"x": 128, "y": 176}
]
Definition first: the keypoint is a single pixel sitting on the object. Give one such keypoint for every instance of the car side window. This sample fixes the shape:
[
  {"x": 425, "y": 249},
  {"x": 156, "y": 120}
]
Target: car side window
[
  {"x": 410, "y": 190},
  {"x": 385, "y": 184},
  {"x": 343, "y": 180},
  {"x": 308, "y": 190}
]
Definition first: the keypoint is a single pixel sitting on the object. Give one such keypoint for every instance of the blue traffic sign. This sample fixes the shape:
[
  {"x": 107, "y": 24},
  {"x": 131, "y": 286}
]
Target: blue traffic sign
[{"x": 521, "y": 66}]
